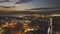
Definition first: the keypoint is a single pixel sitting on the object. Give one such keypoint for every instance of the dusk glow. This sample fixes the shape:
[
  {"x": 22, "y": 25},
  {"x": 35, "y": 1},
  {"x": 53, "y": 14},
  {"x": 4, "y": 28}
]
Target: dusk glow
[{"x": 31, "y": 3}]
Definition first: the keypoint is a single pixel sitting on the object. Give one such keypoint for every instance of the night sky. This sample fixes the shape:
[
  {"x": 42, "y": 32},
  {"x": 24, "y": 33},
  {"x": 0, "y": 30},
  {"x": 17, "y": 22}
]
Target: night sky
[{"x": 32, "y": 4}]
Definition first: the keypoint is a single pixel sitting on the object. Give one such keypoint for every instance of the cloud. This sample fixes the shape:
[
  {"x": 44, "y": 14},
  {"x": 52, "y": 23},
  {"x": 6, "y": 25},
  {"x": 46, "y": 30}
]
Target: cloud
[
  {"x": 18, "y": 7},
  {"x": 16, "y": 1},
  {"x": 13, "y": 3},
  {"x": 22, "y": 1}
]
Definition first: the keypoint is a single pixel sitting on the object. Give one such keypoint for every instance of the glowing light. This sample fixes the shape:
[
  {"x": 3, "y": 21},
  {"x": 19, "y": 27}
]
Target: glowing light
[{"x": 55, "y": 15}]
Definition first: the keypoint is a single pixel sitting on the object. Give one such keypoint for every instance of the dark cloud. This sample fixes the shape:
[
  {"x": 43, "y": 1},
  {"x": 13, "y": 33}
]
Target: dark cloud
[
  {"x": 22, "y": 1},
  {"x": 8, "y": 6},
  {"x": 4, "y": 1},
  {"x": 19, "y": 2}
]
